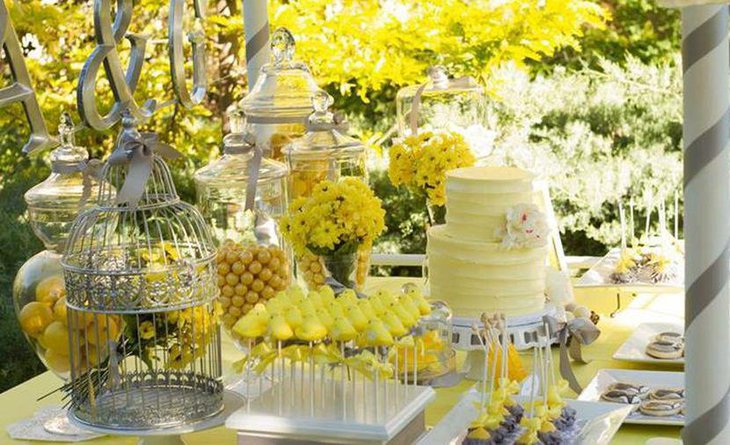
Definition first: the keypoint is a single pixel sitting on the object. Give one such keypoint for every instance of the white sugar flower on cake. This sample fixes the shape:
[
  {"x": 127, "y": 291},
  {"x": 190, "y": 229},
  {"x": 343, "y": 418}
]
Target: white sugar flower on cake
[{"x": 525, "y": 227}]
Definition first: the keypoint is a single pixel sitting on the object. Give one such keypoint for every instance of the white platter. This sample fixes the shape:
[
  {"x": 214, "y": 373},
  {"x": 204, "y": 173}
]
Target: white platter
[
  {"x": 652, "y": 379},
  {"x": 599, "y": 276},
  {"x": 634, "y": 348},
  {"x": 601, "y": 421}
]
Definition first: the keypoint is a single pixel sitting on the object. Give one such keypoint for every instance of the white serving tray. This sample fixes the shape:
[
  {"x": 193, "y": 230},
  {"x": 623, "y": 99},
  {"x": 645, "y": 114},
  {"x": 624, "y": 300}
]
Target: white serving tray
[
  {"x": 652, "y": 379},
  {"x": 599, "y": 276},
  {"x": 634, "y": 348},
  {"x": 370, "y": 416},
  {"x": 600, "y": 421}
]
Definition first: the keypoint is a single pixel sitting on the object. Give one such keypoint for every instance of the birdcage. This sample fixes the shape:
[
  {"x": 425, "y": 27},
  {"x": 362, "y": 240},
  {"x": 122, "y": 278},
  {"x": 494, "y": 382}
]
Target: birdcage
[{"x": 141, "y": 281}]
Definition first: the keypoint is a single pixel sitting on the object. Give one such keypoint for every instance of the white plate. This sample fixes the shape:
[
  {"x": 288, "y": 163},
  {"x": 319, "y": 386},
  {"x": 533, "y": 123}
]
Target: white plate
[
  {"x": 600, "y": 276},
  {"x": 634, "y": 349},
  {"x": 652, "y": 379},
  {"x": 601, "y": 421}
]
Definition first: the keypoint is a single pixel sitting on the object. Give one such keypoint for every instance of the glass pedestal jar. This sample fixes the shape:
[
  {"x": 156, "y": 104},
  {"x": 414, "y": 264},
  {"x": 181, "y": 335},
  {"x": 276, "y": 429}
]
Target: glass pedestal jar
[{"x": 39, "y": 291}]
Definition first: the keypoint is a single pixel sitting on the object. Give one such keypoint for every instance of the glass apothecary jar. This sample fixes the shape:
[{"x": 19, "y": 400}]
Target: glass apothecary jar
[
  {"x": 446, "y": 104},
  {"x": 253, "y": 262},
  {"x": 324, "y": 152},
  {"x": 280, "y": 102},
  {"x": 39, "y": 293}
]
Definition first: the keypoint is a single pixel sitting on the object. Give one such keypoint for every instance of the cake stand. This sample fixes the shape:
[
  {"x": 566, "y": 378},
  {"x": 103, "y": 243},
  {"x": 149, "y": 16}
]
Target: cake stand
[
  {"x": 525, "y": 331},
  {"x": 171, "y": 436}
]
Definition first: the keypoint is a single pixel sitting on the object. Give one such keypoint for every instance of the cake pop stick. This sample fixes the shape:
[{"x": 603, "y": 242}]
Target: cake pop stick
[
  {"x": 676, "y": 215},
  {"x": 632, "y": 229},
  {"x": 475, "y": 329},
  {"x": 622, "y": 219}
]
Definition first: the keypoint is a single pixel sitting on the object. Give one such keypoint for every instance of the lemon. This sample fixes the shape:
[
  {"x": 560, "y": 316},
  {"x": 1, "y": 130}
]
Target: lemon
[
  {"x": 99, "y": 331},
  {"x": 50, "y": 289},
  {"x": 57, "y": 362},
  {"x": 59, "y": 311},
  {"x": 34, "y": 318},
  {"x": 55, "y": 338}
]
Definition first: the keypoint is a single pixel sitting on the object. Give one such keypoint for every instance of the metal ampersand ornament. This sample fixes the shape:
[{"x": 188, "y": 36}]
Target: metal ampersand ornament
[
  {"x": 21, "y": 89},
  {"x": 123, "y": 83},
  {"x": 177, "y": 57}
]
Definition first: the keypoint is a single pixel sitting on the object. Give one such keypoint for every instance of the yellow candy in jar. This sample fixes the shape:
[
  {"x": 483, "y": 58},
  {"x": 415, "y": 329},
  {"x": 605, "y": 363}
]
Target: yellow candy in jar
[
  {"x": 34, "y": 317},
  {"x": 59, "y": 310},
  {"x": 59, "y": 363},
  {"x": 55, "y": 338},
  {"x": 50, "y": 289}
]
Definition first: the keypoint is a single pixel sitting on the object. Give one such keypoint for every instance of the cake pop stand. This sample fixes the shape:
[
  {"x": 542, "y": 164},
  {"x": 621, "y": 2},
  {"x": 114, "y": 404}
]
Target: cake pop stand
[
  {"x": 525, "y": 331},
  {"x": 171, "y": 436}
]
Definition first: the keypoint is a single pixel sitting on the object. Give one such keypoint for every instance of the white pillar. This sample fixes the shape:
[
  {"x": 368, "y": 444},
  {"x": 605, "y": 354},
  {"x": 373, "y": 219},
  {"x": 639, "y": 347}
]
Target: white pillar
[
  {"x": 256, "y": 28},
  {"x": 706, "y": 64}
]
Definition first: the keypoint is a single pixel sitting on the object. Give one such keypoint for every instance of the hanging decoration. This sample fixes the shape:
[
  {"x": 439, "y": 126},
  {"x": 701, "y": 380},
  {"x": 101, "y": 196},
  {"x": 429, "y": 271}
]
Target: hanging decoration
[{"x": 21, "y": 90}]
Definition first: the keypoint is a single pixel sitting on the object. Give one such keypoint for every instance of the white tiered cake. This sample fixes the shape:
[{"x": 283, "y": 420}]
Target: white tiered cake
[{"x": 491, "y": 254}]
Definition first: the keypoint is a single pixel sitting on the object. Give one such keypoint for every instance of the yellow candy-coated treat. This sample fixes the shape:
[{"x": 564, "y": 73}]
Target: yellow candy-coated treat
[
  {"x": 325, "y": 317},
  {"x": 58, "y": 362},
  {"x": 553, "y": 396},
  {"x": 395, "y": 325},
  {"x": 378, "y": 307},
  {"x": 336, "y": 309},
  {"x": 311, "y": 329},
  {"x": 34, "y": 317},
  {"x": 55, "y": 337},
  {"x": 59, "y": 311},
  {"x": 279, "y": 329},
  {"x": 408, "y": 304},
  {"x": 356, "y": 317},
  {"x": 367, "y": 308},
  {"x": 327, "y": 294},
  {"x": 348, "y": 296},
  {"x": 529, "y": 437},
  {"x": 315, "y": 298},
  {"x": 254, "y": 324},
  {"x": 479, "y": 434},
  {"x": 385, "y": 297},
  {"x": 342, "y": 330},
  {"x": 377, "y": 334},
  {"x": 293, "y": 316},
  {"x": 547, "y": 426},
  {"x": 50, "y": 289},
  {"x": 401, "y": 313},
  {"x": 101, "y": 329}
]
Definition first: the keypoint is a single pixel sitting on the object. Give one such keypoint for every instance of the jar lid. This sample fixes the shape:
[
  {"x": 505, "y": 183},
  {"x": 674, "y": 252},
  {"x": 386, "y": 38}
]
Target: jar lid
[
  {"x": 282, "y": 94},
  {"x": 324, "y": 137},
  {"x": 439, "y": 81}
]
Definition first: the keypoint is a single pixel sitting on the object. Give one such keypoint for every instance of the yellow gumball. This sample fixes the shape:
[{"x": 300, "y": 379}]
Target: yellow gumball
[
  {"x": 34, "y": 318},
  {"x": 55, "y": 338},
  {"x": 57, "y": 362},
  {"x": 50, "y": 289}
]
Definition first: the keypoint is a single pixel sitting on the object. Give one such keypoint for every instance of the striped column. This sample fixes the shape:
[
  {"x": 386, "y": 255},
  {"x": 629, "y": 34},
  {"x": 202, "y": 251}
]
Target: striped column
[
  {"x": 256, "y": 28},
  {"x": 706, "y": 64}
]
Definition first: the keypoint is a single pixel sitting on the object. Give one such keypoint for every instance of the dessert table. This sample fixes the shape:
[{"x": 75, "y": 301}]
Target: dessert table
[{"x": 20, "y": 402}]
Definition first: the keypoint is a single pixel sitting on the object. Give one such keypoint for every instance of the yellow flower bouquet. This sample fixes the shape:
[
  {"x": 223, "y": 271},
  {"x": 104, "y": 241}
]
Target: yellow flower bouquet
[
  {"x": 334, "y": 222},
  {"x": 421, "y": 162}
]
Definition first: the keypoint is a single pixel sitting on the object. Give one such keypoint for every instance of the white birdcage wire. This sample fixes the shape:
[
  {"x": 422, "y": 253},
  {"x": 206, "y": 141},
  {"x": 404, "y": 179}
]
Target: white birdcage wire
[{"x": 140, "y": 275}]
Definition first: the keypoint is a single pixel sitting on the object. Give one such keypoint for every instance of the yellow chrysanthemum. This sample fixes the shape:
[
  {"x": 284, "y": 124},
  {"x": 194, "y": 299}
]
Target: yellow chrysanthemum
[
  {"x": 336, "y": 213},
  {"x": 421, "y": 162}
]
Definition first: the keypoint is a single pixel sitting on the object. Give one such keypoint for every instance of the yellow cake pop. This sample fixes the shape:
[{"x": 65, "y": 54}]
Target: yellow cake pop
[
  {"x": 293, "y": 316},
  {"x": 395, "y": 325},
  {"x": 367, "y": 308},
  {"x": 254, "y": 324},
  {"x": 479, "y": 434}
]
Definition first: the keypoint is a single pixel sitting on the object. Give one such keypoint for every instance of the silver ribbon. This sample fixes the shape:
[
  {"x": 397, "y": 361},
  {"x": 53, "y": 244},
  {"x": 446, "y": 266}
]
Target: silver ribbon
[
  {"x": 461, "y": 82},
  {"x": 138, "y": 151},
  {"x": 584, "y": 332},
  {"x": 89, "y": 170}
]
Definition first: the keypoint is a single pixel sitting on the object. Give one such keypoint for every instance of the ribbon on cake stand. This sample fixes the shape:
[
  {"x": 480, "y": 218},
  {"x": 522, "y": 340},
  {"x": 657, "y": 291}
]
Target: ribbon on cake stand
[{"x": 581, "y": 332}]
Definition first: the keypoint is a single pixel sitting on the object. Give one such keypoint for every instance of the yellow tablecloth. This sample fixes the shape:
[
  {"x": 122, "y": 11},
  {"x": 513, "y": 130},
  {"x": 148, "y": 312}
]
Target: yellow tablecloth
[{"x": 20, "y": 402}]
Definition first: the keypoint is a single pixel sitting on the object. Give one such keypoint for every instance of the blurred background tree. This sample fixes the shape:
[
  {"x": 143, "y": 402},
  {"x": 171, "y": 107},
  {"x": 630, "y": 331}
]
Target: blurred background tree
[{"x": 576, "y": 84}]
